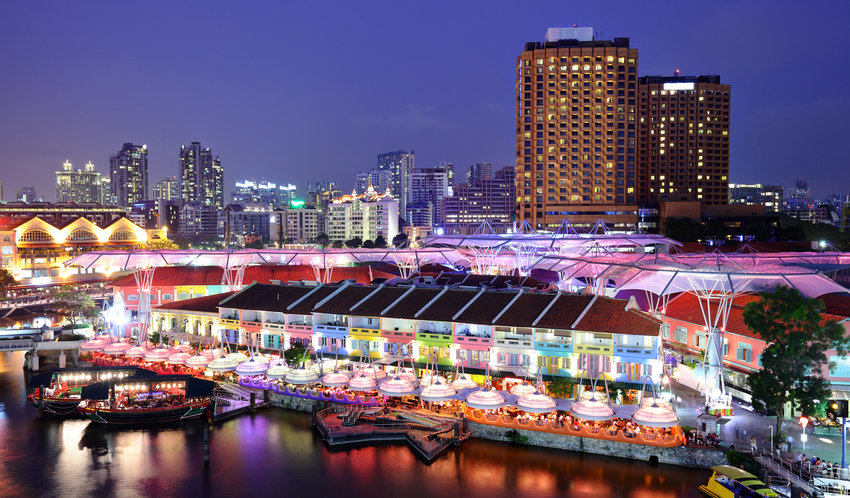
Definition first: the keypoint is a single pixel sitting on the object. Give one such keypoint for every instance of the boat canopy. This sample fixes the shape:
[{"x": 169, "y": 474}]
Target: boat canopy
[
  {"x": 44, "y": 379},
  {"x": 195, "y": 387}
]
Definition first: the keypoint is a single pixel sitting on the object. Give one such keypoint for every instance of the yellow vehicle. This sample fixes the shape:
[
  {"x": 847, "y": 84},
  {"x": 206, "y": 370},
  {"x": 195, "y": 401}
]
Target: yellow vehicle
[{"x": 732, "y": 482}]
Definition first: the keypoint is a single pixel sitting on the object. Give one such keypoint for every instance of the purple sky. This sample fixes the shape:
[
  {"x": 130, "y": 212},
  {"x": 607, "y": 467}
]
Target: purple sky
[{"x": 299, "y": 91}]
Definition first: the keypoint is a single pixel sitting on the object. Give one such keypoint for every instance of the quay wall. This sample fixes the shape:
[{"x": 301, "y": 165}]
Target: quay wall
[
  {"x": 297, "y": 404},
  {"x": 685, "y": 456}
]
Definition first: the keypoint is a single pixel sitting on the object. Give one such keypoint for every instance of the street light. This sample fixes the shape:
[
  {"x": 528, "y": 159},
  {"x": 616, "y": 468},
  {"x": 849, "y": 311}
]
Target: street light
[{"x": 803, "y": 437}]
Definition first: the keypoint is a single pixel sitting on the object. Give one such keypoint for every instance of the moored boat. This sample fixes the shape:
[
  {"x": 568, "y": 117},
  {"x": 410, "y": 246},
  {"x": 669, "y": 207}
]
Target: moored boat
[
  {"x": 732, "y": 482},
  {"x": 58, "y": 391},
  {"x": 161, "y": 399}
]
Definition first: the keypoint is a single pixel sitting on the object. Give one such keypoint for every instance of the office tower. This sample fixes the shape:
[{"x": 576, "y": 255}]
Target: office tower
[
  {"x": 801, "y": 190},
  {"x": 428, "y": 186},
  {"x": 26, "y": 194},
  {"x": 320, "y": 194},
  {"x": 491, "y": 200},
  {"x": 105, "y": 191},
  {"x": 365, "y": 216},
  {"x": 197, "y": 220},
  {"x": 201, "y": 176},
  {"x": 263, "y": 192},
  {"x": 166, "y": 189},
  {"x": 77, "y": 186},
  {"x": 379, "y": 179},
  {"x": 128, "y": 175},
  {"x": 400, "y": 164},
  {"x": 683, "y": 139},
  {"x": 295, "y": 224},
  {"x": 768, "y": 195},
  {"x": 576, "y": 130},
  {"x": 478, "y": 172},
  {"x": 248, "y": 220}
]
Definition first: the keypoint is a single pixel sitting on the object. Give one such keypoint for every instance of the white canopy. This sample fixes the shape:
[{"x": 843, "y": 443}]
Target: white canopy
[{"x": 485, "y": 400}]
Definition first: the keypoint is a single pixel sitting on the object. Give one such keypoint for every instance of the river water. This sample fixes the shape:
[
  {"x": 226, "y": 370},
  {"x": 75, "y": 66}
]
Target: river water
[{"x": 276, "y": 453}]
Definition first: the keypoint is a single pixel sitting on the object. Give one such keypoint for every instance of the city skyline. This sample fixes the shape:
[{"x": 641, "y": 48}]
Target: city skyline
[{"x": 464, "y": 119}]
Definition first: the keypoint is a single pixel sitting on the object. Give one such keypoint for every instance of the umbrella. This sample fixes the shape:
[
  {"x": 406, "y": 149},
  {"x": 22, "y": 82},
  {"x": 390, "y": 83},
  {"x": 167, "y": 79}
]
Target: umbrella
[
  {"x": 437, "y": 392},
  {"x": 489, "y": 399},
  {"x": 335, "y": 379},
  {"x": 396, "y": 387},
  {"x": 536, "y": 402}
]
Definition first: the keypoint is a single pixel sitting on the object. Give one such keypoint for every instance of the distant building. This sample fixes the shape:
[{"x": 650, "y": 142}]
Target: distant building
[
  {"x": 61, "y": 214},
  {"x": 145, "y": 214},
  {"x": 27, "y": 194},
  {"x": 264, "y": 192},
  {"x": 400, "y": 164},
  {"x": 365, "y": 216},
  {"x": 246, "y": 220},
  {"x": 77, "y": 185},
  {"x": 379, "y": 179},
  {"x": 428, "y": 187},
  {"x": 297, "y": 224},
  {"x": 128, "y": 175},
  {"x": 167, "y": 189},
  {"x": 197, "y": 220},
  {"x": 683, "y": 139},
  {"x": 201, "y": 176},
  {"x": 770, "y": 196},
  {"x": 492, "y": 200},
  {"x": 801, "y": 190},
  {"x": 478, "y": 172}
]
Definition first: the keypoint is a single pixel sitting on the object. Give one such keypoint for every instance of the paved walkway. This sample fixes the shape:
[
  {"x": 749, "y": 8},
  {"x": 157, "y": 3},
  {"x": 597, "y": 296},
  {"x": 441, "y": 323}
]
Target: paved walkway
[{"x": 745, "y": 424}]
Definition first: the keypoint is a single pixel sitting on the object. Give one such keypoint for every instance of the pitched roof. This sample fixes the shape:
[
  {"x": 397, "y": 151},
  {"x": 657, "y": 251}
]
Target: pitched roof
[
  {"x": 525, "y": 309},
  {"x": 447, "y": 305},
  {"x": 205, "y": 304},
  {"x": 411, "y": 303},
  {"x": 341, "y": 303},
  {"x": 564, "y": 312},
  {"x": 837, "y": 304},
  {"x": 483, "y": 310},
  {"x": 606, "y": 314},
  {"x": 306, "y": 306},
  {"x": 379, "y": 301},
  {"x": 267, "y": 297}
]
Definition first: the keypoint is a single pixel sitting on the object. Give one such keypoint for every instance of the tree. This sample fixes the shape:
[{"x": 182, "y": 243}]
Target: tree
[
  {"x": 6, "y": 280},
  {"x": 337, "y": 244},
  {"x": 255, "y": 244},
  {"x": 684, "y": 229},
  {"x": 368, "y": 244},
  {"x": 157, "y": 244},
  {"x": 400, "y": 239},
  {"x": 354, "y": 243},
  {"x": 794, "y": 360},
  {"x": 380, "y": 242},
  {"x": 296, "y": 355},
  {"x": 77, "y": 306},
  {"x": 323, "y": 240}
]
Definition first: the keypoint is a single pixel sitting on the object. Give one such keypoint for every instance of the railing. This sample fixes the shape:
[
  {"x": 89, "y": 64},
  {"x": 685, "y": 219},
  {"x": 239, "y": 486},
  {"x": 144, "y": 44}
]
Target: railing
[{"x": 16, "y": 344}]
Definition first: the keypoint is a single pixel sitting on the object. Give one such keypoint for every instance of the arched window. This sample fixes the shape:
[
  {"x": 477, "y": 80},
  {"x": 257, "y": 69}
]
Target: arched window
[
  {"x": 36, "y": 235},
  {"x": 81, "y": 235},
  {"x": 122, "y": 234}
]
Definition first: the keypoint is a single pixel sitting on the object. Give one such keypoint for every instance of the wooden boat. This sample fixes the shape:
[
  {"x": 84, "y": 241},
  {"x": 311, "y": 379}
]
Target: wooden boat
[
  {"x": 58, "y": 391},
  {"x": 161, "y": 399},
  {"x": 732, "y": 482}
]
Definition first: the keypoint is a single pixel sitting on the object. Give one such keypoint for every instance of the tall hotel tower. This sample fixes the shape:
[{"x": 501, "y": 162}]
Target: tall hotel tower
[
  {"x": 128, "y": 175},
  {"x": 201, "y": 176},
  {"x": 576, "y": 130}
]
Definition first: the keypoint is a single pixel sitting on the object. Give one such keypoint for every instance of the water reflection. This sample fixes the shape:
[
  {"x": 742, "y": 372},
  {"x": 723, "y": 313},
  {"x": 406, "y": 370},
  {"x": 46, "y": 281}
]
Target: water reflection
[{"x": 276, "y": 452}]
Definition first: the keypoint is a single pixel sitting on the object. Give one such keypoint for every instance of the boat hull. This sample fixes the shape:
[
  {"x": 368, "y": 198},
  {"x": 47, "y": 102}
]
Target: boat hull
[
  {"x": 145, "y": 416},
  {"x": 56, "y": 406}
]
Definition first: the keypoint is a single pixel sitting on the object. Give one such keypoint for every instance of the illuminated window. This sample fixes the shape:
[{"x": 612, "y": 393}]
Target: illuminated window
[
  {"x": 36, "y": 236},
  {"x": 122, "y": 234},
  {"x": 81, "y": 235}
]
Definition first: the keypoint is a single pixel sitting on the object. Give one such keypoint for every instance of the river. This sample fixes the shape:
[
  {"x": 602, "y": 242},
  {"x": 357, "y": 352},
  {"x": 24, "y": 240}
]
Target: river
[{"x": 276, "y": 453}]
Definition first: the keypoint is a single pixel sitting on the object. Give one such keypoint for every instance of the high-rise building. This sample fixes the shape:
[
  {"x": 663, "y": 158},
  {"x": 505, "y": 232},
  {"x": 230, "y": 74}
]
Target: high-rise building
[
  {"x": 128, "y": 175},
  {"x": 166, "y": 189},
  {"x": 428, "y": 186},
  {"x": 683, "y": 139},
  {"x": 365, "y": 216},
  {"x": 246, "y": 220},
  {"x": 491, "y": 200},
  {"x": 201, "y": 176},
  {"x": 27, "y": 194},
  {"x": 576, "y": 130},
  {"x": 77, "y": 186},
  {"x": 400, "y": 164},
  {"x": 751, "y": 194},
  {"x": 105, "y": 192},
  {"x": 296, "y": 224},
  {"x": 263, "y": 192},
  {"x": 801, "y": 190},
  {"x": 379, "y": 179},
  {"x": 478, "y": 172},
  {"x": 197, "y": 220}
]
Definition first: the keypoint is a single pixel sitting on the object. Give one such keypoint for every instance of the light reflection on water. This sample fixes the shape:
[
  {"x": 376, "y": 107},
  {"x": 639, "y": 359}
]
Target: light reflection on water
[{"x": 276, "y": 453}]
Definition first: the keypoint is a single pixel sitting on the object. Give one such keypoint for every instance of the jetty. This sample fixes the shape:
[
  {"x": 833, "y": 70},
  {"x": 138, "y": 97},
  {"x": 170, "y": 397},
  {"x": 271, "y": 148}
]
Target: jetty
[
  {"x": 427, "y": 435},
  {"x": 230, "y": 400}
]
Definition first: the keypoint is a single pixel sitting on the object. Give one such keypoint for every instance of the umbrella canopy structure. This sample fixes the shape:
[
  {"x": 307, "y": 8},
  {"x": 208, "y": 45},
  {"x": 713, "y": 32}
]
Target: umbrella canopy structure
[
  {"x": 93, "y": 345},
  {"x": 238, "y": 357},
  {"x": 592, "y": 409},
  {"x": 536, "y": 402},
  {"x": 277, "y": 371},
  {"x": 157, "y": 355},
  {"x": 212, "y": 353},
  {"x": 361, "y": 382},
  {"x": 197, "y": 361},
  {"x": 135, "y": 352},
  {"x": 397, "y": 387},
  {"x": 301, "y": 376},
  {"x": 437, "y": 392},
  {"x": 656, "y": 415},
  {"x": 372, "y": 372},
  {"x": 487, "y": 399},
  {"x": 463, "y": 382},
  {"x": 335, "y": 379},
  {"x": 179, "y": 358},
  {"x": 428, "y": 379},
  {"x": 222, "y": 364},
  {"x": 251, "y": 367},
  {"x": 116, "y": 348},
  {"x": 522, "y": 389}
]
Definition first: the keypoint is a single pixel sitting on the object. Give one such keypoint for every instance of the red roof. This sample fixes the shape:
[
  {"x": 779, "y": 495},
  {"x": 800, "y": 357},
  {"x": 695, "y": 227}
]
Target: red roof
[
  {"x": 610, "y": 315},
  {"x": 205, "y": 304},
  {"x": 565, "y": 310}
]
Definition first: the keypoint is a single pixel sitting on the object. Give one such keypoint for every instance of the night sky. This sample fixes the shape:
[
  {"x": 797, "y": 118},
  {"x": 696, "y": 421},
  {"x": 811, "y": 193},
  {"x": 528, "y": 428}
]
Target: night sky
[{"x": 300, "y": 91}]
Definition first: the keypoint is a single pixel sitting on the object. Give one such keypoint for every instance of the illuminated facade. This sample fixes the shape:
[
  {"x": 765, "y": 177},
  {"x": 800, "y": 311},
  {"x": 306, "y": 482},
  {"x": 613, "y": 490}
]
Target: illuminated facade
[
  {"x": 365, "y": 216},
  {"x": 683, "y": 138},
  {"x": 576, "y": 130},
  {"x": 128, "y": 175},
  {"x": 301, "y": 224},
  {"x": 489, "y": 199},
  {"x": 78, "y": 186},
  {"x": 166, "y": 189},
  {"x": 770, "y": 196},
  {"x": 37, "y": 248},
  {"x": 400, "y": 165},
  {"x": 268, "y": 193},
  {"x": 201, "y": 176}
]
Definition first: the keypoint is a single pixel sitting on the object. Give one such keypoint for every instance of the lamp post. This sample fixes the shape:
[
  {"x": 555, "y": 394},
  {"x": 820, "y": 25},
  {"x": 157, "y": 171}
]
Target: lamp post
[
  {"x": 843, "y": 443},
  {"x": 771, "y": 439},
  {"x": 803, "y": 437}
]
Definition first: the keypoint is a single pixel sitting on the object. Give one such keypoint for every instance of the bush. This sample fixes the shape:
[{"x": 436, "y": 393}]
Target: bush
[
  {"x": 71, "y": 337},
  {"x": 514, "y": 436}
]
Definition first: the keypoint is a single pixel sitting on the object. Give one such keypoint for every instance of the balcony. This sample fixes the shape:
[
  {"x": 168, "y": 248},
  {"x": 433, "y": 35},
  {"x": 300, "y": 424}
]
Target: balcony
[
  {"x": 430, "y": 336},
  {"x": 521, "y": 341},
  {"x": 642, "y": 352},
  {"x": 397, "y": 335},
  {"x": 229, "y": 322},
  {"x": 274, "y": 325},
  {"x": 332, "y": 328},
  {"x": 365, "y": 331},
  {"x": 594, "y": 348}
]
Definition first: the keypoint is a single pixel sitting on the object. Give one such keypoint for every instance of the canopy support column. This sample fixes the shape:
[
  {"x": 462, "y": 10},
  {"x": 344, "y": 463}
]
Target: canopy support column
[{"x": 144, "y": 281}]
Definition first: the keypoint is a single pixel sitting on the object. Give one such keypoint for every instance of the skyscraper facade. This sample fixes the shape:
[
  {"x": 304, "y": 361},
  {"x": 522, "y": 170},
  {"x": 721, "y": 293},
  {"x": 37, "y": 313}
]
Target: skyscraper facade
[
  {"x": 379, "y": 179},
  {"x": 683, "y": 137},
  {"x": 128, "y": 175},
  {"x": 167, "y": 189},
  {"x": 576, "y": 130},
  {"x": 201, "y": 176},
  {"x": 478, "y": 172},
  {"x": 400, "y": 164},
  {"x": 756, "y": 193},
  {"x": 428, "y": 186},
  {"x": 264, "y": 192},
  {"x": 491, "y": 200},
  {"x": 77, "y": 186}
]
